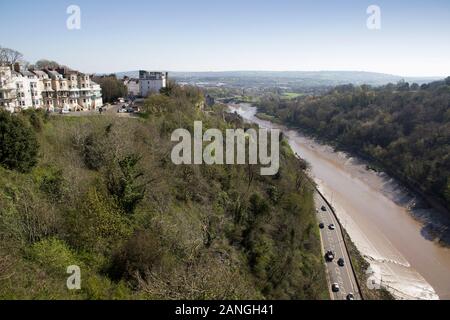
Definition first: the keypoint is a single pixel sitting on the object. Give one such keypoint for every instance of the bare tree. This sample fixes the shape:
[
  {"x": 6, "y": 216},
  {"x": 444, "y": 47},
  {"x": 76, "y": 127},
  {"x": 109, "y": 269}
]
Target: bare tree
[{"x": 9, "y": 56}]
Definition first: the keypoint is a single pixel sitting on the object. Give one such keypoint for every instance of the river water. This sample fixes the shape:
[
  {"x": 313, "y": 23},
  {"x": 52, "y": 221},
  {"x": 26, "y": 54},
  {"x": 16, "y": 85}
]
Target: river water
[{"x": 382, "y": 218}]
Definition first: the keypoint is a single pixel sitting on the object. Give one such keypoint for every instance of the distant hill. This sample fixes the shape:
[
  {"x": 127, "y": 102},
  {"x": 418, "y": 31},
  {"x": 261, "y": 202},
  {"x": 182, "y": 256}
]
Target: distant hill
[{"x": 286, "y": 78}]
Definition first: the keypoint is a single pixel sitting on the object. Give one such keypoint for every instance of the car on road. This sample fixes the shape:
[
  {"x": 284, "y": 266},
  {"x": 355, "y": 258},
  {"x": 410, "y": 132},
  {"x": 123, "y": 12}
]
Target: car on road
[
  {"x": 329, "y": 256},
  {"x": 335, "y": 287},
  {"x": 350, "y": 296},
  {"x": 340, "y": 262},
  {"x": 323, "y": 208},
  {"x": 332, "y": 226},
  {"x": 321, "y": 225}
]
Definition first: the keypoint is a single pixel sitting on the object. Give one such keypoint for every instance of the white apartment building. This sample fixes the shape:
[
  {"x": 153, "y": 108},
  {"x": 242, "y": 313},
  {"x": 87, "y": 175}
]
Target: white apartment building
[
  {"x": 132, "y": 87},
  {"x": 151, "y": 82},
  {"x": 48, "y": 89},
  {"x": 8, "y": 89},
  {"x": 96, "y": 91}
]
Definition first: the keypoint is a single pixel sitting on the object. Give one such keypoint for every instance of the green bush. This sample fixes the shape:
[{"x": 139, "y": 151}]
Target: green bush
[
  {"x": 125, "y": 184},
  {"x": 144, "y": 252},
  {"x": 18, "y": 143},
  {"x": 99, "y": 225},
  {"x": 53, "y": 254},
  {"x": 93, "y": 152}
]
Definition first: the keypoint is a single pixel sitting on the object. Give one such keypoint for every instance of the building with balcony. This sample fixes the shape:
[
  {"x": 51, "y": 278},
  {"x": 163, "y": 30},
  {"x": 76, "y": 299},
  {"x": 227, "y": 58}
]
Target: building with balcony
[
  {"x": 49, "y": 89},
  {"x": 8, "y": 89}
]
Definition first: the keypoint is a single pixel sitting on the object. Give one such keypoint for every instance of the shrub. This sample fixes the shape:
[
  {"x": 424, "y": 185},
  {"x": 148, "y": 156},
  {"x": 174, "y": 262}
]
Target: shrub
[
  {"x": 99, "y": 225},
  {"x": 18, "y": 143},
  {"x": 144, "y": 252},
  {"x": 51, "y": 182},
  {"x": 53, "y": 254},
  {"x": 93, "y": 152},
  {"x": 125, "y": 185}
]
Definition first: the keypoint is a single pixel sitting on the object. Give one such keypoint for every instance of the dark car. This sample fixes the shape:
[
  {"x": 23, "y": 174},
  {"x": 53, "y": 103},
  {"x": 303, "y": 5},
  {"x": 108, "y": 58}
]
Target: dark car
[
  {"x": 329, "y": 256},
  {"x": 340, "y": 262},
  {"x": 323, "y": 208},
  {"x": 321, "y": 225},
  {"x": 332, "y": 226},
  {"x": 335, "y": 287},
  {"x": 350, "y": 296}
]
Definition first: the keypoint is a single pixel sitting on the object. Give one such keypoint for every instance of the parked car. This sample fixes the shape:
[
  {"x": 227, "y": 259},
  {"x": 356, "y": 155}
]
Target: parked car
[
  {"x": 329, "y": 256},
  {"x": 321, "y": 225},
  {"x": 64, "y": 111},
  {"x": 122, "y": 110},
  {"x": 130, "y": 110},
  {"x": 340, "y": 262},
  {"x": 350, "y": 296},
  {"x": 332, "y": 226},
  {"x": 335, "y": 287}
]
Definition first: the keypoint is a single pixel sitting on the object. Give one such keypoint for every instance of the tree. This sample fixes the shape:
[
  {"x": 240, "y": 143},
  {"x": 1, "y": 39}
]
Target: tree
[
  {"x": 9, "y": 56},
  {"x": 46, "y": 64},
  {"x": 447, "y": 81},
  {"x": 125, "y": 184},
  {"x": 112, "y": 88},
  {"x": 18, "y": 143}
]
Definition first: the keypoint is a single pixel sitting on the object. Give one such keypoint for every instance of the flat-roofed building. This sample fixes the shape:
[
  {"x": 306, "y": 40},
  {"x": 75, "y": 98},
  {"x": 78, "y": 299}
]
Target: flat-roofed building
[{"x": 151, "y": 82}]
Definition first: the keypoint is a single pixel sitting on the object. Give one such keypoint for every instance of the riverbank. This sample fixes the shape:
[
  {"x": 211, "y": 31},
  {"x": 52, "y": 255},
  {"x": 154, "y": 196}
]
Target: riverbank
[
  {"x": 374, "y": 210},
  {"x": 426, "y": 209},
  {"x": 362, "y": 270},
  {"x": 436, "y": 220}
]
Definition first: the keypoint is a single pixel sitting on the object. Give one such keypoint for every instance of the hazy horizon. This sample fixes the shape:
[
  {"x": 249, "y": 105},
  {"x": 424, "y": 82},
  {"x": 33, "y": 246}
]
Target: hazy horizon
[
  {"x": 279, "y": 71},
  {"x": 198, "y": 36}
]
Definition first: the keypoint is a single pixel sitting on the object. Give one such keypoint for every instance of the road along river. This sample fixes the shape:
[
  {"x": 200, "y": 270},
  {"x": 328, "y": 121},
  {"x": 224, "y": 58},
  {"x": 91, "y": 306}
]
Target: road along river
[{"x": 376, "y": 213}]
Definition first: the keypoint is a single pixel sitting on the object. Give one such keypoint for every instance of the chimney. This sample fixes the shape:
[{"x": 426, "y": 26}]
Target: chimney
[{"x": 17, "y": 67}]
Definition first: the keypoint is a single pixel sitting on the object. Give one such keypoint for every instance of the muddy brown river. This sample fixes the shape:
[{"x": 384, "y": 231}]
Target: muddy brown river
[{"x": 384, "y": 220}]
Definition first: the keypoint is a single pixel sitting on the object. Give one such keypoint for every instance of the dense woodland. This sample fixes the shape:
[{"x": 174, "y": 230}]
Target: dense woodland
[
  {"x": 101, "y": 192},
  {"x": 403, "y": 128}
]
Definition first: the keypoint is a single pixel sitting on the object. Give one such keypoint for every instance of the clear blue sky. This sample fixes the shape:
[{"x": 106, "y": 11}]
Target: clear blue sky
[{"x": 200, "y": 35}]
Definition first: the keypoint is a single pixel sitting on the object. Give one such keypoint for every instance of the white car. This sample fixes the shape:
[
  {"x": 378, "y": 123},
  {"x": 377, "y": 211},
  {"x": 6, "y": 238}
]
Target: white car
[
  {"x": 64, "y": 111},
  {"x": 332, "y": 226}
]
